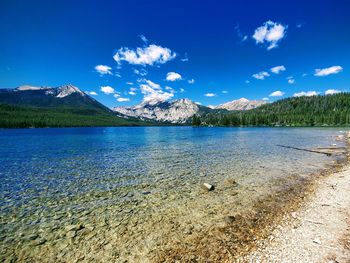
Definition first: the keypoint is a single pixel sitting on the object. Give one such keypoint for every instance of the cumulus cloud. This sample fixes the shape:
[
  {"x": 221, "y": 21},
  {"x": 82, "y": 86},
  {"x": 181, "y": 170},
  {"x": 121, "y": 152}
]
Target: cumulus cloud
[
  {"x": 107, "y": 90},
  {"x": 191, "y": 81},
  {"x": 332, "y": 91},
  {"x": 278, "y": 69},
  {"x": 116, "y": 95},
  {"x": 305, "y": 93},
  {"x": 93, "y": 93},
  {"x": 328, "y": 71},
  {"x": 132, "y": 93},
  {"x": 153, "y": 92},
  {"x": 130, "y": 83},
  {"x": 224, "y": 91},
  {"x": 261, "y": 75},
  {"x": 173, "y": 76},
  {"x": 120, "y": 99},
  {"x": 149, "y": 55},
  {"x": 103, "y": 69},
  {"x": 210, "y": 94},
  {"x": 277, "y": 93},
  {"x": 265, "y": 99},
  {"x": 270, "y": 33}
]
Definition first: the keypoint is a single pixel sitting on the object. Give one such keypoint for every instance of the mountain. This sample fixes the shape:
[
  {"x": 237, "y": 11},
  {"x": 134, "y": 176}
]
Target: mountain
[
  {"x": 241, "y": 104},
  {"x": 182, "y": 110},
  {"x": 62, "y": 96},
  {"x": 29, "y": 106},
  {"x": 176, "y": 111},
  {"x": 328, "y": 110}
]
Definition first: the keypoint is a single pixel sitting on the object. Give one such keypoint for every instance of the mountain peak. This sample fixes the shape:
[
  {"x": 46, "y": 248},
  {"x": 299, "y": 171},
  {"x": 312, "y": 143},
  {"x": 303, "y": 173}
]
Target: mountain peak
[
  {"x": 175, "y": 111},
  {"x": 241, "y": 104},
  {"x": 243, "y": 100},
  {"x": 67, "y": 90}
]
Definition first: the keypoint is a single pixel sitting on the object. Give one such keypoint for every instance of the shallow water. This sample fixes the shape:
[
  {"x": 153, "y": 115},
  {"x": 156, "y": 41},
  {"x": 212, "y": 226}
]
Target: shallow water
[{"x": 125, "y": 193}]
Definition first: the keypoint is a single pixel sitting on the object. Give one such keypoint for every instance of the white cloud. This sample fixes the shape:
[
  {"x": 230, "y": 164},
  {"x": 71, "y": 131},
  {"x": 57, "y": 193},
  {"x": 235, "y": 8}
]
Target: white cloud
[
  {"x": 307, "y": 94},
  {"x": 197, "y": 102},
  {"x": 143, "y": 38},
  {"x": 117, "y": 95},
  {"x": 153, "y": 92},
  {"x": 210, "y": 94},
  {"x": 247, "y": 81},
  {"x": 130, "y": 83},
  {"x": 173, "y": 76},
  {"x": 182, "y": 90},
  {"x": 149, "y": 55},
  {"x": 123, "y": 99},
  {"x": 265, "y": 99},
  {"x": 332, "y": 91},
  {"x": 278, "y": 69},
  {"x": 103, "y": 69},
  {"x": 132, "y": 93},
  {"x": 169, "y": 88},
  {"x": 224, "y": 91},
  {"x": 304, "y": 75},
  {"x": 271, "y": 33},
  {"x": 152, "y": 84},
  {"x": 328, "y": 71},
  {"x": 291, "y": 80},
  {"x": 93, "y": 93},
  {"x": 141, "y": 72},
  {"x": 107, "y": 90},
  {"x": 191, "y": 81},
  {"x": 277, "y": 93},
  {"x": 261, "y": 75}
]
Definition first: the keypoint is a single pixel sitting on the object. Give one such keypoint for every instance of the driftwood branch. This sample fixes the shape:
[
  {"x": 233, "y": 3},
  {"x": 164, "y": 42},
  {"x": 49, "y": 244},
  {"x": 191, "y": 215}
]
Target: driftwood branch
[{"x": 305, "y": 150}]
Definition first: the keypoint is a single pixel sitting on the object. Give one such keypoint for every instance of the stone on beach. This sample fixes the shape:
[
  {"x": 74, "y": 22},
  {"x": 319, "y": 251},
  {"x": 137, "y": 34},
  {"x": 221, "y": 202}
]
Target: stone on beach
[{"x": 208, "y": 187}]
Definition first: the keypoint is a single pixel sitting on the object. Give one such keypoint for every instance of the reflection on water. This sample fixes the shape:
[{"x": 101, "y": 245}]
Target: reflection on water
[{"x": 124, "y": 193}]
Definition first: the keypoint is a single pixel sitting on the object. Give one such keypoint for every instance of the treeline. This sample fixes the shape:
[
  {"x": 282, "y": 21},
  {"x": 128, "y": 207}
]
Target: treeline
[
  {"x": 331, "y": 110},
  {"x": 25, "y": 117}
]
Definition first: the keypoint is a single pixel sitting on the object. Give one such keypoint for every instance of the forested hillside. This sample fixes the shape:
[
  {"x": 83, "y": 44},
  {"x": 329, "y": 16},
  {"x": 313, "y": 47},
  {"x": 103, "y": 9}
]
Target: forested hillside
[
  {"x": 297, "y": 111},
  {"x": 23, "y": 117}
]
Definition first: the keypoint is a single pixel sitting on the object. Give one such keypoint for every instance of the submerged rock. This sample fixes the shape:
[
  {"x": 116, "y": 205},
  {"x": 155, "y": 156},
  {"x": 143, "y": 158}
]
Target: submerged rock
[{"x": 229, "y": 219}]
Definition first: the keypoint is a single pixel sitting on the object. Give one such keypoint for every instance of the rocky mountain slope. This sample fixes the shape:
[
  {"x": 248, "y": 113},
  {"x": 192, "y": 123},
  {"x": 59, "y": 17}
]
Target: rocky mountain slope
[
  {"x": 176, "y": 111},
  {"x": 181, "y": 110},
  {"x": 241, "y": 104}
]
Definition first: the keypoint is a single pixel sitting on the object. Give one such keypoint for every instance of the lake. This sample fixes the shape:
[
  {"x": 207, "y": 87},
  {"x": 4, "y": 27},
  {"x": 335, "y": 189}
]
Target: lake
[{"x": 126, "y": 193}]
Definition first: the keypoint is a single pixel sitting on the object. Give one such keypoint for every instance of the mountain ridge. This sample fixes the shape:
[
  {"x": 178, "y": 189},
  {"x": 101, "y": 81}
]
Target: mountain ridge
[{"x": 181, "y": 110}]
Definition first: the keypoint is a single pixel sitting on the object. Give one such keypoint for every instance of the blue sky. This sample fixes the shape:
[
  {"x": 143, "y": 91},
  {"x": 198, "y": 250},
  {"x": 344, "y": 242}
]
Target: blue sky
[{"x": 209, "y": 51}]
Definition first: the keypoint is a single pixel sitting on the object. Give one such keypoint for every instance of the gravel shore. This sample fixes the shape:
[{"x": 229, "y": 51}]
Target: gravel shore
[{"x": 319, "y": 231}]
